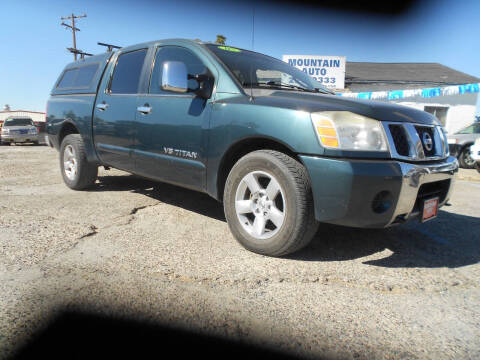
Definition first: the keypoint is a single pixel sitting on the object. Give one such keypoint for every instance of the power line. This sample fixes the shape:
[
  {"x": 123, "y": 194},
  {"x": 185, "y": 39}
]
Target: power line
[{"x": 74, "y": 29}]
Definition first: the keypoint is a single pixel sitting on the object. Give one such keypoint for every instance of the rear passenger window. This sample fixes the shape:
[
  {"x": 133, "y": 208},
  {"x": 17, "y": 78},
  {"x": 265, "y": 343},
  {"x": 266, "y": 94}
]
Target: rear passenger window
[
  {"x": 80, "y": 77},
  {"x": 68, "y": 78},
  {"x": 85, "y": 75},
  {"x": 127, "y": 72}
]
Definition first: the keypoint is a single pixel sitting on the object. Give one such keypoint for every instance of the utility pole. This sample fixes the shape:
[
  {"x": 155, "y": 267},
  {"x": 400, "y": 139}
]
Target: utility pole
[{"x": 74, "y": 29}]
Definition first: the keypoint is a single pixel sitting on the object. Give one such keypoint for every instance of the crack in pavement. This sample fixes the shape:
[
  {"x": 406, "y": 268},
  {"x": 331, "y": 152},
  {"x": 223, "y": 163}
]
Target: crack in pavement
[
  {"x": 93, "y": 231},
  {"x": 135, "y": 209},
  {"x": 381, "y": 288}
]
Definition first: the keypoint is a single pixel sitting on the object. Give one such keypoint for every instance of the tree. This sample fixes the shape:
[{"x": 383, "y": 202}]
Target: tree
[{"x": 220, "y": 39}]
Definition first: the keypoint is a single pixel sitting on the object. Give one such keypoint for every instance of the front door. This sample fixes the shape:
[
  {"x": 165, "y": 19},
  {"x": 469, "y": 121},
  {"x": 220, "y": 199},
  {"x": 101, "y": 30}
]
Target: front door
[
  {"x": 171, "y": 127},
  {"x": 115, "y": 111}
]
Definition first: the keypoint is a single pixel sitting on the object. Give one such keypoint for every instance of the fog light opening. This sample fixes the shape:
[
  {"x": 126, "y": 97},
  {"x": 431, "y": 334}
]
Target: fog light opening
[{"x": 382, "y": 202}]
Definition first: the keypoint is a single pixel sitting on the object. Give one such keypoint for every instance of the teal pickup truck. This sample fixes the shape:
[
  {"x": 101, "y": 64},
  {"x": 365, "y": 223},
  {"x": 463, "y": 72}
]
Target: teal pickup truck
[{"x": 283, "y": 153}]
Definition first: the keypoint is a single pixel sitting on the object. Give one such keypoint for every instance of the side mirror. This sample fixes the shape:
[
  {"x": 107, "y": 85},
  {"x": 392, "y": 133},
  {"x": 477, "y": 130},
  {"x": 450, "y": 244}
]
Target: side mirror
[
  {"x": 174, "y": 77},
  {"x": 205, "y": 84}
]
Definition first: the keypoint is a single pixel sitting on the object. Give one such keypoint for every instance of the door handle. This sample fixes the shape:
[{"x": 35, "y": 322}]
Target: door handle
[
  {"x": 145, "y": 109},
  {"x": 102, "y": 106}
]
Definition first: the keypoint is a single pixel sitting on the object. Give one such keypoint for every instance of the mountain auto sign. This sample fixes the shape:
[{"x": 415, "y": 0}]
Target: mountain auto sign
[{"x": 327, "y": 70}]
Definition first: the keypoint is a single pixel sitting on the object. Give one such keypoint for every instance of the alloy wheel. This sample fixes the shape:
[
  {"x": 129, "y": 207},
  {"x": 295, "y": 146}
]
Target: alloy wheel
[
  {"x": 70, "y": 165},
  {"x": 260, "y": 204}
]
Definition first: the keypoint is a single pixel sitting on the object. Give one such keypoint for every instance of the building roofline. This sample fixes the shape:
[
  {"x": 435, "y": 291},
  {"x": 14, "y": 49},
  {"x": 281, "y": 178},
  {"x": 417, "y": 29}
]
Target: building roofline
[
  {"x": 29, "y": 111},
  {"x": 393, "y": 62}
]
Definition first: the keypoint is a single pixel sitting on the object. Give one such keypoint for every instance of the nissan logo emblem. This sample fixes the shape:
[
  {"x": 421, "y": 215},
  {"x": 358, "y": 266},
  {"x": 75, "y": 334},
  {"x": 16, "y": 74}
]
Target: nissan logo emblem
[{"x": 427, "y": 141}]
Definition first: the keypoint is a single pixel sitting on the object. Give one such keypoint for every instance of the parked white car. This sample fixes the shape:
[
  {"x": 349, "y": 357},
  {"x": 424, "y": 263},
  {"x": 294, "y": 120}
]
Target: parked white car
[
  {"x": 19, "y": 129},
  {"x": 475, "y": 153}
]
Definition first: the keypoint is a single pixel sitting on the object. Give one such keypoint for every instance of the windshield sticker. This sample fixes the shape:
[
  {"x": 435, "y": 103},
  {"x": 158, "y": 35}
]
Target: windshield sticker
[{"x": 228, "y": 48}]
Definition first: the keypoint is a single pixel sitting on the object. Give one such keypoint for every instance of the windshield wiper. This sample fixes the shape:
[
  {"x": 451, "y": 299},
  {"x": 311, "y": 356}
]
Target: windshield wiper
[
  {"x": 288, "y": 86},
  {"x": 278, "y": 85},
  {"x": 325, "y": 91}
]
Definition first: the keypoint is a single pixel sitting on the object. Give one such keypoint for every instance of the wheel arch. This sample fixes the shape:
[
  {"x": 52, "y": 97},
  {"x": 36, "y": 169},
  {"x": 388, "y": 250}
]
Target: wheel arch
[
  {"x": 242, "y": 147},
  {"x": 467, "y": 143},
  {"x": 67, "y": 128}
]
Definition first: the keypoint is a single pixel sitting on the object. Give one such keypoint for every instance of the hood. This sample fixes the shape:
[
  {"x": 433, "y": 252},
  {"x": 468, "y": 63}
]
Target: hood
[{"x": 313, "y": 102}]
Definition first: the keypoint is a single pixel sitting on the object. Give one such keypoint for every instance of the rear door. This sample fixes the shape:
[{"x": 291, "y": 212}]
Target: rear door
[
  {"x": 171, "y": 135},
  {"x": 115, "y": 110}
]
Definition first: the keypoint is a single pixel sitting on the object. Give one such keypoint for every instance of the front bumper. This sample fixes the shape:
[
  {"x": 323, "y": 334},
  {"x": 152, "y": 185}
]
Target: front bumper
[
  {"x": 19, "y": 138},
  {"x": 347, "y": 192}
]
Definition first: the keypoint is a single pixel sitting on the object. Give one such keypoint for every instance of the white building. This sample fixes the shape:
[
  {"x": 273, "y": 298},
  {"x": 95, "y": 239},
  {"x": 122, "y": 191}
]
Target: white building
[
  {"x": 447, "y": 93},
  {"x": 36, "y": 116}
]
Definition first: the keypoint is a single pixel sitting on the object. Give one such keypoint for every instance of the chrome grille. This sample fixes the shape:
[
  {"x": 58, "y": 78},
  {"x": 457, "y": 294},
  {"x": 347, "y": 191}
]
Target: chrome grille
[
  {"x": 426, "y": 133},
  {"x": 416, "y": 142},
  {"x": 400, "y": 139}
]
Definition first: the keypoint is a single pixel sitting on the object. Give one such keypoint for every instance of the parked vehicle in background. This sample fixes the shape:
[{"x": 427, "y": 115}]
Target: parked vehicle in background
[
  {"x": 281, "y": 152},
  {"x": 41, "y": 128},
  {"x": 19, "y": 130},
  {"x": 460, "y": 142},
  {"x": 475, "y": 153}
]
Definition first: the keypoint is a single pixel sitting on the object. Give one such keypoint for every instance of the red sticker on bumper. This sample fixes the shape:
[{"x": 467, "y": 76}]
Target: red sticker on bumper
[{"x": 430, "y": 209}]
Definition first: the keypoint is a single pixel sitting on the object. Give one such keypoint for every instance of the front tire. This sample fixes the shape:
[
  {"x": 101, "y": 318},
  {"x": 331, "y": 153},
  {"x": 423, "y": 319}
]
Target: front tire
[
  {"x": 77, "y": 172},
  {"x": 465, "y": 159},
  {"x": 268, "y": 203}
]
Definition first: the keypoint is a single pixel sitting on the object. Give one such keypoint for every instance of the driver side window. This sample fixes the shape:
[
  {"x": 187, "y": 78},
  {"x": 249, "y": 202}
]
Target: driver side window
[{"x": 174, "y": 53}]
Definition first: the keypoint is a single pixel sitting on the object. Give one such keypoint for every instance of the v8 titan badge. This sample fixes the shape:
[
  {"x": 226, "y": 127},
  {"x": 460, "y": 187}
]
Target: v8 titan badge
[{"x": 430, "y": 209}]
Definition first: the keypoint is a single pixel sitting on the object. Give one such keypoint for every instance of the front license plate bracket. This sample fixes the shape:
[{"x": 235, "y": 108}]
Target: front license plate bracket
[{"x": 430, "y": 209}]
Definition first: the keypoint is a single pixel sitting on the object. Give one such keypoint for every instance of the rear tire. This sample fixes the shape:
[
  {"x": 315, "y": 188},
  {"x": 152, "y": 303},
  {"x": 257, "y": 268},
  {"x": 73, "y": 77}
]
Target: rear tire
[
  {"x": 268, "y": 203},
  {"x": 465, "y": 159},
  {"x": 77, "y": 172}
]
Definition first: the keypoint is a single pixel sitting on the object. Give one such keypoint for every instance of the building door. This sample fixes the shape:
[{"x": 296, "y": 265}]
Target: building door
[{"x": 440, "y": 112}]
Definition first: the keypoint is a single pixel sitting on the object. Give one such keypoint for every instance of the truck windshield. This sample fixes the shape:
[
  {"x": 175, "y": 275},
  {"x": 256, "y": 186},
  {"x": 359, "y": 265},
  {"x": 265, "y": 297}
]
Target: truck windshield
[
  {"x": 260, "y": 71},
  {"x": 18, "y": 122}
]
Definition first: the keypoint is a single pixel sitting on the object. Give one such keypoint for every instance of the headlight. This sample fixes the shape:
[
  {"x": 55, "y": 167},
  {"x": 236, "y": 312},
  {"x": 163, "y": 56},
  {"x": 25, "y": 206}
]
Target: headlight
[
  {"x": 5, "y": 131},
  {"x": 344, "y": 130}
]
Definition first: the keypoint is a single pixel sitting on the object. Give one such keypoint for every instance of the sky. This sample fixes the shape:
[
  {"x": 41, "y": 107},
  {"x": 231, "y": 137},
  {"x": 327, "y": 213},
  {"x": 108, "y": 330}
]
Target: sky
[{"x": 34, "y": 43}]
